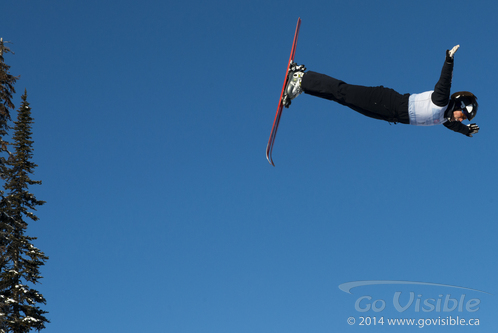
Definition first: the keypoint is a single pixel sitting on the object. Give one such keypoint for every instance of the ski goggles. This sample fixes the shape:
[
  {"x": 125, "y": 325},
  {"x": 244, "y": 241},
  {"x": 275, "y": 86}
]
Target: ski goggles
[
  {"x": 466, "y": 102},
  {"x": 467, "y": 109}
]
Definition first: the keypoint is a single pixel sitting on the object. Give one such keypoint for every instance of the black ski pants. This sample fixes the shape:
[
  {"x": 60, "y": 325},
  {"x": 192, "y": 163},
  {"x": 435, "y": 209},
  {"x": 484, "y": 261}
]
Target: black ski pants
[{"x": 375, "y": 102}]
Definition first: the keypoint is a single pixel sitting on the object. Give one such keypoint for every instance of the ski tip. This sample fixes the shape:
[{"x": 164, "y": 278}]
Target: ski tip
[{"x": 270, "y": 160}]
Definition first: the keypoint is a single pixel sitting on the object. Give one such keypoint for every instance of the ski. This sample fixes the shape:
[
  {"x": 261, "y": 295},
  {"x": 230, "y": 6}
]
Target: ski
[{"x": 281, "y": 101}]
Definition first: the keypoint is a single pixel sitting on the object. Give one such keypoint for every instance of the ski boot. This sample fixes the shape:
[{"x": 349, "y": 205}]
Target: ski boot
[{"x": 293, "y": 88}]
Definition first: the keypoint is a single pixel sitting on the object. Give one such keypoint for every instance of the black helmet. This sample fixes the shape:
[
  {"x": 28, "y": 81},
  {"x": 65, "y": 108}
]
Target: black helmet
[{"x": 465, "y": 101}]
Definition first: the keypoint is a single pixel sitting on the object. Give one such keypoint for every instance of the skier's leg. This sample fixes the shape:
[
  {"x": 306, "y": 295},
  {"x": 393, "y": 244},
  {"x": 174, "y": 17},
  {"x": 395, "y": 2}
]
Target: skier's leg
[{"x": 375, "y": 102}]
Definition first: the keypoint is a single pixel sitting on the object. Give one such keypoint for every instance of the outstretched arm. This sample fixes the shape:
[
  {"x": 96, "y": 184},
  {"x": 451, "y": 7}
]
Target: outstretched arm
[
  {"x": 441, "y": 95},
  {"x": 457, "y": 126},
  {"x": 442, "y": 90}
]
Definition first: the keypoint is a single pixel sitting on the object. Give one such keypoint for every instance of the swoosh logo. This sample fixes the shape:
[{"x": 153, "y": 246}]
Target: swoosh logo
[{"x": 346, "y": 287}]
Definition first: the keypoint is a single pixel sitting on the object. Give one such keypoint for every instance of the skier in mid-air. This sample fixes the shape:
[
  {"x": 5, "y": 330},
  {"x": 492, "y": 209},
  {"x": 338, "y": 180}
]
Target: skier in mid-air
[{"x": 424, "y": 109}]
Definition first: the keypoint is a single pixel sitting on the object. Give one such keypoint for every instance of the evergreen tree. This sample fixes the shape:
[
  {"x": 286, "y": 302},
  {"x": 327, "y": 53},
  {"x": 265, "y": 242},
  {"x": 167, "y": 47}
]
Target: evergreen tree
[
  {"x": 21, "y": 260},
  {"x": 7, "y": 82}
]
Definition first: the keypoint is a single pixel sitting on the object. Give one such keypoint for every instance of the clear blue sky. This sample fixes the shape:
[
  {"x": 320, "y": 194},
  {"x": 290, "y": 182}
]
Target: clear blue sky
[{"x": 162, "y": 212}]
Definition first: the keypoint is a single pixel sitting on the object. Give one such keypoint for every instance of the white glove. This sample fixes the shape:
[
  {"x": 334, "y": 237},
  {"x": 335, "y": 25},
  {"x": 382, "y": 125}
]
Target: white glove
[{"x": 452, "y": 52}]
